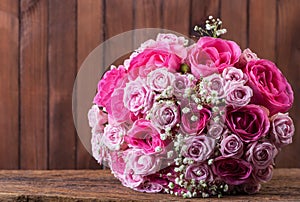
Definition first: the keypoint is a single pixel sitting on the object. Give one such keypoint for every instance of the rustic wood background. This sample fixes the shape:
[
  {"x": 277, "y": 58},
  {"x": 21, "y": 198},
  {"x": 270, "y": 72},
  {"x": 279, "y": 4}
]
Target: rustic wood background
[{"x": 43, "y": 43}]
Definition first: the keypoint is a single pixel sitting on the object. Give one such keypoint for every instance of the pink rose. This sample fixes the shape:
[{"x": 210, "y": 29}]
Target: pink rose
[
  {"x": 138, "y": 97},
  {"x": 152, "y": 184},
  {"x": 261, "y": 154},
  {"x": 193, "y": 120},
  {"x": 151, "y": 59},
  {"x": 180, "y": 84},
  {"x": 263, "y": 175},
  {"x": 238, "y": 96},
  {"x": 199, "y": 171},
  {"x": 144, "y": 136},
  {"x": 246, "y": 57},
  {"x": 165, "y": 115},
  {"x": 282, "y": 129},
  {"x": 108, "y": 84},
  {"x": 198, "y": 148},
  {"x": 250, "y": 122},
  {"x": 270, "y": 87},
  {"x": 232, "y": 146},
  {"x": 232, "y": 75},
  {"x": 113, "y": 137},
  {"x": 141, "y": 163},
  {"x": 233, "y": 171},
  {"x": 117, "y": 113},
  {"x": 218, "y": 53},
  {"x": 215, "y": 130},
  {"x": 214, "y": 84},
  {"x": 97, "y": 118},
  {"x": 159, "y": 79}
]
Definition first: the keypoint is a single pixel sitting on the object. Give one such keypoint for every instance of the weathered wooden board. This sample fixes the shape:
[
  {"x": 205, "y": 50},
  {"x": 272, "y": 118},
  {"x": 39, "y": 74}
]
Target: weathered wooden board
[{"x": 100, "y": 185}]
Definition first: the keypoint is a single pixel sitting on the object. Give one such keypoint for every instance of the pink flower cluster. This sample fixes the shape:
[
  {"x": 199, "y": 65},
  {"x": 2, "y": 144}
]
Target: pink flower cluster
[{"x": 211, "y": 129}]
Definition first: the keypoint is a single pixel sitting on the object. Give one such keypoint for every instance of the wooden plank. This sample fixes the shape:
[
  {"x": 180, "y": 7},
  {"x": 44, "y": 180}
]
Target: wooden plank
[
  {"x": 34, "y": 88},
  {"x": 201, "y": 9},
  {"x": 234, "y": 17},
  {"x": 288, "y": 60},
  {"x": 9, "y": 116},
  {"x": 176, "y": 16},
  {"x": 89, "y": 36},
  {"x": 62, "y": 68},
  {"x": 100, "y": 185},
  {"x": 144, "y": 9},
  {"x": 262, "y": 28}
]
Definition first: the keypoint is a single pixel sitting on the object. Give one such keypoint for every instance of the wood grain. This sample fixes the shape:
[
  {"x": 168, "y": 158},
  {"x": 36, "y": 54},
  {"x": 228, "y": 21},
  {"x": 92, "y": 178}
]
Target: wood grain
[
  {"x": 288, "y": 60},
  {"x": 234, "y": 17},
  {"x": 34, "y": 84},
  {"x": 88, "y": 185},
  {"x": 89, "y": 36},
  {"x": 9, "y": 91},
  {"x": 62, "y": 68},
  {"x": 262, "y": 28},
  {"x": 176, "y": 16}
]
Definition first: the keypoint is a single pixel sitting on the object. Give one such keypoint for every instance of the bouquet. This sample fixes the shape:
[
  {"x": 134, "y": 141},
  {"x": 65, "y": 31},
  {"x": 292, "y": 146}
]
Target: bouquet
[{"x": 197, "y": 120}]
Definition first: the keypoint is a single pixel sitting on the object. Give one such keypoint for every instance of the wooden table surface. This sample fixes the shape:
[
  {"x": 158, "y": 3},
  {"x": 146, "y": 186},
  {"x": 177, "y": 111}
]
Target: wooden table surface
[{"x": 100, "y": 185}]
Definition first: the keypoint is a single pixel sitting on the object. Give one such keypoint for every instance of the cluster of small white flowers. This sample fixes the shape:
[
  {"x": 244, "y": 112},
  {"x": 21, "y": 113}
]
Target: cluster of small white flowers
[{"x": 212, "y": 28}]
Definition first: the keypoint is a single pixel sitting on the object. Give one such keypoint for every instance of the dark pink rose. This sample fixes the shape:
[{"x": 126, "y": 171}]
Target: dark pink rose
[
  {"x": 261, "y": 154},
  {"x": 193, "y": 120},
  {"x": 151, "y": 59},
  {"x": 233, "y": 171},
  {"x": 199, "y": 171},
  {"x": 282, "y": 129},
  {"x": 211, "y": 55},
  {"x": 270, "y": 87},
  {"x": 232, "y": 146},
  {"x": 106, "y": 86},
  {"x": 249, "y": 122},
  {"x": 198, "y": 148},
  {"x": 144, "y": 136}
]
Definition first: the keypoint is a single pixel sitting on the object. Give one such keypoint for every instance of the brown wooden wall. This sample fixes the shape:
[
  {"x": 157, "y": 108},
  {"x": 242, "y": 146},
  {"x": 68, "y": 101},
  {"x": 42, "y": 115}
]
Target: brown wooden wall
[{"x": 43, "y": 43}]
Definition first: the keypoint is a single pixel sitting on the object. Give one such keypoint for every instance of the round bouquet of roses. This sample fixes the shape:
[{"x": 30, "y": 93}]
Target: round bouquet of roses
[{"x": 200, "y": 120}]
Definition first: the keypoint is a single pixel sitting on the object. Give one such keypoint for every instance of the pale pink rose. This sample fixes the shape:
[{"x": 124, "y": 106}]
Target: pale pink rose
[
  {"x": 193, "y": 120},
  {"x": 113, "y": 137},
  {"x": 180, "y": 84},
  {"x": 106, "y": 86},
  {"x": 213, "y": 56},
  {"x": 132, "y": 180},
  {"x": 151, "y": 185},
  {"x": 282, "y": 129},
  {"x": 270, "y": 87},
  {"x": 198, "y": 148},
  {"x": 200, "y": 62},
  {"x": 159, "y": 79},
  {"x": 143, "y": 135},
  {"x": 199, "y": 171},
  {"x": 232, "y": 75},
  {"x": 232, "y": 146},
  {"x": 141, "y": 163},
  {"x": 165, "y": 114},
  {"x": 99, "y": 151},
  {"x": 117, "y": 113},
  {"x": 138, "y": 97},
  {"x": 246, "y": 56},
  {"x": 215, "y": 130},
  {"x": 238, "y": 95},
  {"x": 214, "y": 84},
  {"x": 263, "y": 175},
  {"x": 151, "y": 59},
  {"x": 97, "y": 118},
  {"x": 261, "y": 154}
]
